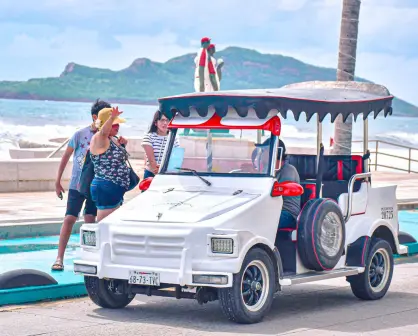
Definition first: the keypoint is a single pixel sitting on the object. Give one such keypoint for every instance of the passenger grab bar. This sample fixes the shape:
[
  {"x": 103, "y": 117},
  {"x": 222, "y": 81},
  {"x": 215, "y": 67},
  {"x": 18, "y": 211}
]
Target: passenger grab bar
[{"x": 353, "y": 179}]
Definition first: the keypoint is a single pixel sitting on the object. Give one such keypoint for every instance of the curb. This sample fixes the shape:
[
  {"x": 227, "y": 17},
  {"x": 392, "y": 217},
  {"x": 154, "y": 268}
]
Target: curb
[
  {"x": 41, "y": 293},
  {"x": 408, "y": 205},
  {"x": 36, "y": 228}
]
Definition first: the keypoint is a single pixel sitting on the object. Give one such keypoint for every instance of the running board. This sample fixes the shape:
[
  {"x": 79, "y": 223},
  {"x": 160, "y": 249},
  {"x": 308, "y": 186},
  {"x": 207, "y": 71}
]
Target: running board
[{"x": 318, "y": 276}]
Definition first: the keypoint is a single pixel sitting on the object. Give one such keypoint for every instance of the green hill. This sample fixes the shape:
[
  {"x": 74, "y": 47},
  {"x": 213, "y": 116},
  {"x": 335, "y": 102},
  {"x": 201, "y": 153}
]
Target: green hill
[{"x": 144, "y": 80}]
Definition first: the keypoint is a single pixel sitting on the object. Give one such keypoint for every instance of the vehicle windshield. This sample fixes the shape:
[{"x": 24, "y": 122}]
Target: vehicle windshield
[{"x": 222, "y": 152}]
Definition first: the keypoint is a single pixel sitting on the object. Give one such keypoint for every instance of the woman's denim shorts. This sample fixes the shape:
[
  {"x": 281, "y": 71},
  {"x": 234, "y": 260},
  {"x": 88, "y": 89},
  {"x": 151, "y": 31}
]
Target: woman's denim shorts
[{"x": 106, "y": 194}]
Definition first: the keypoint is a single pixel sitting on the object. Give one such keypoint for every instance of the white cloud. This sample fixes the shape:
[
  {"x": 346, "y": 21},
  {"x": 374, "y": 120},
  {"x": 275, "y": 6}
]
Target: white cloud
[
  {"x": 291, "y": 5},
  {"x": 398, "y": 73}
]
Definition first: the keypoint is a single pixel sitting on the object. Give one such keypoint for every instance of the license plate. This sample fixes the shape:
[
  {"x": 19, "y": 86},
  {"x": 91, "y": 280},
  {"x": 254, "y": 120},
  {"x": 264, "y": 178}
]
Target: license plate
[{"x": 144, "y": 278}]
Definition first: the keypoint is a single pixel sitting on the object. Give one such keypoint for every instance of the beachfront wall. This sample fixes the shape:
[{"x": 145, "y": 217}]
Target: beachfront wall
[
  {"x": 31, "y": 175},
  {"x": 30, "y": 171}
]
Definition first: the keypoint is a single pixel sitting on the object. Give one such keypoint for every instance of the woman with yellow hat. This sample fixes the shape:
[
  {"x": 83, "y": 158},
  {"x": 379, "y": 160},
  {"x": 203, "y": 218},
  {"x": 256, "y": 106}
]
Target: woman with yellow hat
[{"x": 111, "y": 172}]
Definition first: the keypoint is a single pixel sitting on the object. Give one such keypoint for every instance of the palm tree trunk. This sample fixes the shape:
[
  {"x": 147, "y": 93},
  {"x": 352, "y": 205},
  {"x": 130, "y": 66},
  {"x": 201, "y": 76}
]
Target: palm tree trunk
[{"x": 346, "y": 69}]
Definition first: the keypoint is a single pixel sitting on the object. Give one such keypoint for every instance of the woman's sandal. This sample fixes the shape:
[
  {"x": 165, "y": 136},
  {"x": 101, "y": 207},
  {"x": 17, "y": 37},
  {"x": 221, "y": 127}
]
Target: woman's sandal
[{"x": 57, "y": 266}]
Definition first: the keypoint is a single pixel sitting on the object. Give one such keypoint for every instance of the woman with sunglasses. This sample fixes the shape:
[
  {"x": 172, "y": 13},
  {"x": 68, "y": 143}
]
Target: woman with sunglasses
[{"x": 154, "y": 143}]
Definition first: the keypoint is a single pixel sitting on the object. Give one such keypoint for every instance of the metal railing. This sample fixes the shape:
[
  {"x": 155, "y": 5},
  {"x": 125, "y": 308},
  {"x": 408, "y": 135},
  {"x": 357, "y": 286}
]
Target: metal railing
[
  {"x": 378, "y": 151},
  {"x": 58, "y": 149}
]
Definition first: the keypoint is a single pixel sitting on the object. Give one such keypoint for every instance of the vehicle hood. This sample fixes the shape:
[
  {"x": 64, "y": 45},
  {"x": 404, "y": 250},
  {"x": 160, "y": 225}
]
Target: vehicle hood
[{"x": 181, "y": 206}]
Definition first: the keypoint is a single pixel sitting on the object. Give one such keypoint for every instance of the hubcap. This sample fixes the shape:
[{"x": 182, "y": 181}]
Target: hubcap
[
  {"x": 379, "y": 270},
  {"x": 331, "y": 234},
  {"x": 255, "y": 285}
]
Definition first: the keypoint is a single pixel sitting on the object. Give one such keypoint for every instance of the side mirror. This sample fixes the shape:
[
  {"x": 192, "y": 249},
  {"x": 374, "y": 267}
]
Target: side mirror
[
  {"x": 286, "y": 189},
  {"x": 144, "y": 184}
]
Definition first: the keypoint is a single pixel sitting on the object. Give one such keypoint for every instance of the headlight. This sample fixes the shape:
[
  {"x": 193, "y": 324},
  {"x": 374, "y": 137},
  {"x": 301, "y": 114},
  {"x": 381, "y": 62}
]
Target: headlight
[
  {"x": 86, "y": 269},
  {"x": 222, "y": 245},
  {"x": 89, "y": 238},
  {"x": 210, "y": 279}
]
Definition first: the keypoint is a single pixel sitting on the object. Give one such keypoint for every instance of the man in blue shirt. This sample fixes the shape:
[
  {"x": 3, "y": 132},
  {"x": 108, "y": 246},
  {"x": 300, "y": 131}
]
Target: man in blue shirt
[{"x": 78, "y": 146}]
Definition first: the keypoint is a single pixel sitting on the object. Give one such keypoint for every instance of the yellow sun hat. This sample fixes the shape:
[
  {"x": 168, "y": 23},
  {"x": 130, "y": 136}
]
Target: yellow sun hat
[{"x": 104, "y": 115}]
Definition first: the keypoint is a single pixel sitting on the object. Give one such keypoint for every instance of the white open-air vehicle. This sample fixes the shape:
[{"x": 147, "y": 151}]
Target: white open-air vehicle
[{"x": 207, "y": 227}]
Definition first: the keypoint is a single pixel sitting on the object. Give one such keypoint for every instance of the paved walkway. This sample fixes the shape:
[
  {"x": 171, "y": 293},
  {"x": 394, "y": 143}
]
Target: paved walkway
[
  {"x": 16, "y": 207},
  {"x": 322, "y": 308},
  {"x": 38, "y": 206},
  {"x": 407, "y": 190}
]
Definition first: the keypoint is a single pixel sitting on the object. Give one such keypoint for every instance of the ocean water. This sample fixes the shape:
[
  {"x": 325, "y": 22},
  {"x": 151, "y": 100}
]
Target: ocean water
[{"x": 40, "y": 121}]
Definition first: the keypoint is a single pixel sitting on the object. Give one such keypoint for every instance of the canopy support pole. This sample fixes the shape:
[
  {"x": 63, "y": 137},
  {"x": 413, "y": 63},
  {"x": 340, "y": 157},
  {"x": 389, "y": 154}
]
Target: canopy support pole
[
  {"x": 318, "y": 136},
  {"x": 366, "y": 145},
  {"x": 258, "y": 136},
  {"x": 318, "y": 145},
  {"x": 365, "y": 136},
  {"x": 209, "y": 157}
]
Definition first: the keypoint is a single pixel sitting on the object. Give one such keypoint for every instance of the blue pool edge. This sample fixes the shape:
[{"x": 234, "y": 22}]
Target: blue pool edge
[{"x": 41, "y": 293}]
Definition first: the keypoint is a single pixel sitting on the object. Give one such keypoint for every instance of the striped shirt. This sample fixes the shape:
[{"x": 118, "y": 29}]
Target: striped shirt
[{"x": 158, "y": 143}]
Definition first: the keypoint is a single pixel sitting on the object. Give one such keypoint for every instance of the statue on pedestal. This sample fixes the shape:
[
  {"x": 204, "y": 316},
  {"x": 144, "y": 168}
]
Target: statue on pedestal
[
  {"x": 217, "y": 65},
  {"x": 206, "y": 75}
]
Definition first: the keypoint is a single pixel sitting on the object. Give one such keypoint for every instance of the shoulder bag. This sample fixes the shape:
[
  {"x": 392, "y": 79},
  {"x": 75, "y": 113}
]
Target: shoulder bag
[
  {"x": 87, "y": 176},
  {"x": 133, "y": 177}
]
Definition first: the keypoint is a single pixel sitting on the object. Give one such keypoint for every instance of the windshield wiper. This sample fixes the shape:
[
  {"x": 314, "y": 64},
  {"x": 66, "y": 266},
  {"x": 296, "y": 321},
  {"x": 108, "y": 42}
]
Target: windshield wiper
[{"x": 195, "y": 173}]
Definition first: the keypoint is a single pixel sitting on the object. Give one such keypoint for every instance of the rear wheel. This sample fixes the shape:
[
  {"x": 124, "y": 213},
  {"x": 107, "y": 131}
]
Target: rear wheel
[
  {"x": 105, "y": 293},
  {"x": 374, "y": 282},
  {"x": 251, "y": 295}
]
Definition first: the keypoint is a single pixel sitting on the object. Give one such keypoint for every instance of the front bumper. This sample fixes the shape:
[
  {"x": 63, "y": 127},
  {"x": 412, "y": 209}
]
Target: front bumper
[{"x": 182, "y": 276}]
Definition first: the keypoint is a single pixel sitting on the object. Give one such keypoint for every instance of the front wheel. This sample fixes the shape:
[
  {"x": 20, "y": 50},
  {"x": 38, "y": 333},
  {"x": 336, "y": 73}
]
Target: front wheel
[
  {"x": 374, "y": 282},
  {"x": 251, "y": 294},
  {"x": 105, "y": 293}
]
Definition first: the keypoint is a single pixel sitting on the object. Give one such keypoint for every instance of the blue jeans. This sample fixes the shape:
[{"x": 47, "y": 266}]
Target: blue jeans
[
  {"x": 106, "y": 194},
  {"x": 287, "y": 221}
]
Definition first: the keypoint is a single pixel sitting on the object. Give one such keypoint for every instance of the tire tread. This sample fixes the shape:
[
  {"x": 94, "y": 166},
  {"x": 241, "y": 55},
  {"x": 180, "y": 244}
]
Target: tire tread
[
  {"x": 97, "y": 293},
  {"x": 230, "y": 300},
  {"x": 359, "y": 283}
]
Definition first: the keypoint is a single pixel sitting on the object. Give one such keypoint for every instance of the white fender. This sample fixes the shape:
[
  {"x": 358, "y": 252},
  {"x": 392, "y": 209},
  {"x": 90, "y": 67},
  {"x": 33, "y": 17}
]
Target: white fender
[
  {"x": 250, "y": 244},
  {"x": 359, "y": 226}
]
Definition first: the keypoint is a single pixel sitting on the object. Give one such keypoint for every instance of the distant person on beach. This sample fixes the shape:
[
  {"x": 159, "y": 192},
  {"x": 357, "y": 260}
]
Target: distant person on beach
[
  {"x": 78, "y": 146},
  {"x": 154, "y": 143},
  {"x": 111, "y": 171}
]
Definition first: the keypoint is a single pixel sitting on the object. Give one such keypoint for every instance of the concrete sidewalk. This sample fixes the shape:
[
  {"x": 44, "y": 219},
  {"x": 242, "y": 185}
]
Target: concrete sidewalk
[
  {"x": 407, "y": 191},
  {"x": 32, "y": 214},
  {"x": 26, "y": 207},
  {"x": 37, "y": 206}
]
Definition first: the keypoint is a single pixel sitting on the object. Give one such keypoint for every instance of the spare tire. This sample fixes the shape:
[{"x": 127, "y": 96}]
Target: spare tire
[{"x": 321, "y": 234}]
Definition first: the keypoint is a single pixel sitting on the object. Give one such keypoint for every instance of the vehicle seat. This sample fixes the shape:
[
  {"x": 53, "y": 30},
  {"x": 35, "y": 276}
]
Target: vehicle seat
[{"x": 338, "y": 169}]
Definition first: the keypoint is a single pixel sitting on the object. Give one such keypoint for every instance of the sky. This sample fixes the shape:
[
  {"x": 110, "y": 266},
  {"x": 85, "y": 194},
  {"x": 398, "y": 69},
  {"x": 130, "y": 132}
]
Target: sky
[{"x": 38, "y": 38}]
